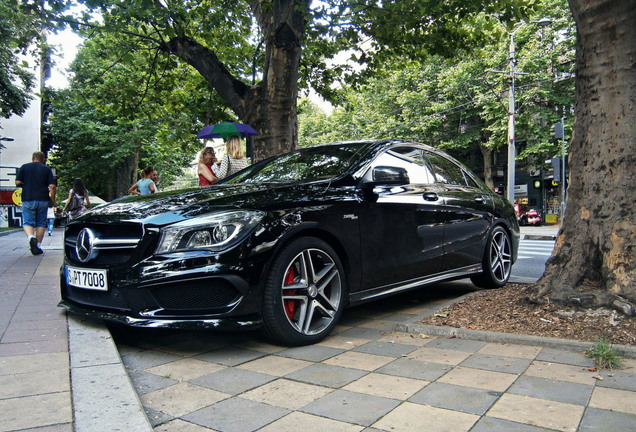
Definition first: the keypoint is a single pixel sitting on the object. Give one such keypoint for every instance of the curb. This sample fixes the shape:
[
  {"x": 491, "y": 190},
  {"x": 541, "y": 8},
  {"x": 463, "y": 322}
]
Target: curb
[
  {"x": 538, "y": 237},
  {"x": 97, "y": 370},
  {"x": 511, "y": 338},
  {"x": 498, "y": 337}
]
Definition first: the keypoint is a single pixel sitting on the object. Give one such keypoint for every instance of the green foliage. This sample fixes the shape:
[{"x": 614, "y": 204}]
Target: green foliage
[
  {"x": 21, "y": 28},
  {"x": 460, "y": 103},
  {"x": 124, "y": 109},
  {"x": 604, "y": 356}
]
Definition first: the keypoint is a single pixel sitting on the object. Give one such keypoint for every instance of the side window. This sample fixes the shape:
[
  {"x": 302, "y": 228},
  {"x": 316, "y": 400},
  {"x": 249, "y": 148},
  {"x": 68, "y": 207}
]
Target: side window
[
  {"x": 446, "y": 172},
  {"x": 409, "y": 158}
]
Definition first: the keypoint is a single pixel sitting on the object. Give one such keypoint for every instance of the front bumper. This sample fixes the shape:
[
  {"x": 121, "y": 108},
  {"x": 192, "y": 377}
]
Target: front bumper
[{"x": 228, "y": 323}]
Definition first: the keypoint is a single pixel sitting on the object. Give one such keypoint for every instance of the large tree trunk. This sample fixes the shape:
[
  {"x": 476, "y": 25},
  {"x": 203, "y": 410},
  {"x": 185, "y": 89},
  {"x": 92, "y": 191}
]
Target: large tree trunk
[
  {"x": 594, "y": 261},
  {"x": 269, "y": 106}
]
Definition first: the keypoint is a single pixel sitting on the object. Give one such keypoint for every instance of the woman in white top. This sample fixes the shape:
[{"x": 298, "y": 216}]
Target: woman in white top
[{"x": 234, "y": 160}]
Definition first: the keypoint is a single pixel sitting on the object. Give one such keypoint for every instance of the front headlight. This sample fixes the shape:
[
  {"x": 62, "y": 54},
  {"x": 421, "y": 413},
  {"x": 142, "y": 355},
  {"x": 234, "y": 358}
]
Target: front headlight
[{"x": 217, "y": 231}]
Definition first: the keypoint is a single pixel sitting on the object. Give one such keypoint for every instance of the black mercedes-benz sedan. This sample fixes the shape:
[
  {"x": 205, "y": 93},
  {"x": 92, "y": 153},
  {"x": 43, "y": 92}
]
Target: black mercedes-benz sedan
[{"x": 286, "y": 244}]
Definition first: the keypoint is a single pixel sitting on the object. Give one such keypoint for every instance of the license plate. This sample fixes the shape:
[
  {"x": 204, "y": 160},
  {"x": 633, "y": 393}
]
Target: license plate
[{"x": 93, "y": 279}]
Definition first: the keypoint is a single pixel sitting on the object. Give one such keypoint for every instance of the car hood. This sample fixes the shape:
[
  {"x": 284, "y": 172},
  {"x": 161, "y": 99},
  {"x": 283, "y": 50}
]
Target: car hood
[{"x": 174, "y": 206}]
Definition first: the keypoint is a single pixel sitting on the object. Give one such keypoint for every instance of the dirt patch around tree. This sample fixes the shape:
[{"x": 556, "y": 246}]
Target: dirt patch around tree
[{"x": 506, "y": 310}]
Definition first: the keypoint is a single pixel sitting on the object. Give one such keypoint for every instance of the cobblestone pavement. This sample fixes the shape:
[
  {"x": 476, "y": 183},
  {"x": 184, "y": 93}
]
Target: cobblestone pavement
[{"x": 369, "y": 377}]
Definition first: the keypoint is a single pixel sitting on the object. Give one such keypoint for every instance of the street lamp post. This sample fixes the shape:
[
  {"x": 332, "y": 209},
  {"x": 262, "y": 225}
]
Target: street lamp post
[
  {"x": 510, "y": 185},
  {"x": 512, "y": 144}
]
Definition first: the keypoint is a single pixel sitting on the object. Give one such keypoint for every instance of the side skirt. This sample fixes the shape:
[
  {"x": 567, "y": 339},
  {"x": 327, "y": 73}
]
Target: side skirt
[{"x": 387, "y": 290}]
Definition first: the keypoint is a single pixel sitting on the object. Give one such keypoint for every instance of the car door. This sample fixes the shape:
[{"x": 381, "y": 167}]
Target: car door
[
  {"x": 401, "y": 226},
  {"x": 468, "y": 209}
]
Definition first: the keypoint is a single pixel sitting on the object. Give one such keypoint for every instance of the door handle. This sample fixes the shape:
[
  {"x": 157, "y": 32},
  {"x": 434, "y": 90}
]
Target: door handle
[
  {"x": 430, "y": 196},
  {"x": 481, "y": 198}
]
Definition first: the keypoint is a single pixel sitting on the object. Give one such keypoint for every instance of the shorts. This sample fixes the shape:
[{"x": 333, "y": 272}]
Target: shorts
[{"x": 34, "y": 213}]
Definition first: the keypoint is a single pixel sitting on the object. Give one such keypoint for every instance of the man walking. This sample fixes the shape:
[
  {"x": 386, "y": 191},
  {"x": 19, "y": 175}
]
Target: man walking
[{"x": 38, "y": 188}]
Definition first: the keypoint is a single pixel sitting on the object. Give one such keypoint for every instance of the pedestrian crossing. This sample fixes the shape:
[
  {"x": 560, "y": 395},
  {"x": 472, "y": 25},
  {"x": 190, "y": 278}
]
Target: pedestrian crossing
[{"x": 535, "y": 249}]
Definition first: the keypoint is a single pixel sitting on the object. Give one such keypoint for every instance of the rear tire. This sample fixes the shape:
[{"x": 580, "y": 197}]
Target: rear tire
[
  {"x": 304, "y": 294},
  {"x": 497, "y": 260}
]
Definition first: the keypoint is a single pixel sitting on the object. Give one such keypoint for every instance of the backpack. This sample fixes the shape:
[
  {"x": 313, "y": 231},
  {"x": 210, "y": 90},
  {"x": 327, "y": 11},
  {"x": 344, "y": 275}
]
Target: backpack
[{"x": 74, "y": 204}]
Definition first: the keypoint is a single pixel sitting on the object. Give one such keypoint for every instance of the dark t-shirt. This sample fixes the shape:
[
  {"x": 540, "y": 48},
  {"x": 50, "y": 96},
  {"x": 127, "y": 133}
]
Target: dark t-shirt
[{"x": 36, "y": 178}]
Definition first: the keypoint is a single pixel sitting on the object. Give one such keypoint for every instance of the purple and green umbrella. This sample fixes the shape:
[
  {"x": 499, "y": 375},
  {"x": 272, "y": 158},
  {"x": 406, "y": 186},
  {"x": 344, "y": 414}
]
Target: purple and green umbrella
[{"x": 226, "y": 130}]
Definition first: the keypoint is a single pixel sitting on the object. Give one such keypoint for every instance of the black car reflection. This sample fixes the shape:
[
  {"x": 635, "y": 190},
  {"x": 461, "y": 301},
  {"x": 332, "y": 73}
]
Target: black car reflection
[{"x": 288, "y": 243}]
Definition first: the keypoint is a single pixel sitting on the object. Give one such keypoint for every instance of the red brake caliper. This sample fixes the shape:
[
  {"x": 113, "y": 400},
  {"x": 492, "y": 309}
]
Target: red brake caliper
[{"x": 290, "y": 305}]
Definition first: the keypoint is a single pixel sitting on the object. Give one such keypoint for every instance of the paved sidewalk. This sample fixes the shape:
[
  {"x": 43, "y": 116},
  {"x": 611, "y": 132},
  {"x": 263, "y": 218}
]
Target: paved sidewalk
[{"x": 367, "y": 376}]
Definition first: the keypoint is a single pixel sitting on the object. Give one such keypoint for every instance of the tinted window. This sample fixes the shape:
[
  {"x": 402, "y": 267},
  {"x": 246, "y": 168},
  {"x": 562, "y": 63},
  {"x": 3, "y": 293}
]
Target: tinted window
[
  {"x": 446, "y": 172},
  {"x": 409, "y": 158},
  {"x": 308, "y": 164}
]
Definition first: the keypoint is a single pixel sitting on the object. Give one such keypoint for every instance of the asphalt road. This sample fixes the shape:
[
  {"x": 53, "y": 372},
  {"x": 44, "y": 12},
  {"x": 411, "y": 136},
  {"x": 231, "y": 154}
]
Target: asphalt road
[{"x": 533, "y": 255}]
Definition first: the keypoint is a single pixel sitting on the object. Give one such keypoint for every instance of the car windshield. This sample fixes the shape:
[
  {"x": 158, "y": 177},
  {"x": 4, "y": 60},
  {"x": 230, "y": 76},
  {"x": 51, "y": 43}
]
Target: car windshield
[{"x": 304, "y": 165}]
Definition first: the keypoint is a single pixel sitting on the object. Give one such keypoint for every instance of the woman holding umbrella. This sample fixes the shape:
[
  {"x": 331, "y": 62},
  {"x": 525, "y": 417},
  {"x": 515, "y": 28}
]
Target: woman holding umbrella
[{"x": 234, "y": 159}]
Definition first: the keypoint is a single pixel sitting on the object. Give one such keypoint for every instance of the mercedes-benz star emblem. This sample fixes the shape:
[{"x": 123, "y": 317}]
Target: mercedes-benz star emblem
[{"x": 84, "y": 245}]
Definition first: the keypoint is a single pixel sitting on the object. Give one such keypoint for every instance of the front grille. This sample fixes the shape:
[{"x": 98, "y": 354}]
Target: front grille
[
  {"x": 116, "y": 244},
  {"x": 196, "y": 295}
]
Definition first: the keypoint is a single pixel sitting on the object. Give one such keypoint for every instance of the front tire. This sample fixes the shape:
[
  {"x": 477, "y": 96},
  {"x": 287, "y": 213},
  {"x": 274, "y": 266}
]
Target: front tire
[
  {"x": 497, "y": 260},
  {"x": 304, "y": 294}
]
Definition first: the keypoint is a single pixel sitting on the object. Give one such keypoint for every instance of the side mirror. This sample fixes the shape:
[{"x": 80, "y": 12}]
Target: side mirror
[{"x": 389, "y": 175}]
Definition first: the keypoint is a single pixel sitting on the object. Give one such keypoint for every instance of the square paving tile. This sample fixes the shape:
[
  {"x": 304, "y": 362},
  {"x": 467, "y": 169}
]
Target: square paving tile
[
  {"x": 358, "y": 360},
  {"x": 554, "y": 355},
  {"x": 561, "y": 372},
  {"x": 457, "y": 398},
  {"x": 386, "y": 386},
  {"x": 538, "y": 412},
  {"x": 230, "y": 356},
  {"x": 456, "y": 344},
  {"x": 510, "y": 350},
  {"x": 230, "y": 415},
  {"x": 386, "y": 348},
  {"x": 310, "y": 423},
  {"x": 178, "y": 425},
  {"x": 595, "y": 420},
  {"x": 614, "y": 399},
  {"x": 383, "y": 325},
  {"x": 327, "y": 375},
  {"x": 182, "y": 398},
  {"x": 147, "y": 359},
  {"x": 351, "y": 407},
  {"x": 313, "y": 353},
  {"x": 233, "y": 380},
  {"x": 410, "y": 417},
  {"x": 35, "y": 411},
  {"x": 417, "y": 340},
  {"x": 491, "y": 424},
  {"x": 34, "y": 383},
  {"x": 287, "y": 394},
  {"x": 487, "y": 380},
  {"x": 275, "y": 365},
  {"x": 145, "y": 382},
  {"x": 185, "y": 369},
  {"x": 618, "y": 380},
  {"x": 497, "y": 363},
  {"x": 340, "y": 342},
  {"x": 578, "y": 394},
  {"x": 415, "y": 369},
  {"x": 362, "y": 333},
  {"x": 440, "y": 356}
]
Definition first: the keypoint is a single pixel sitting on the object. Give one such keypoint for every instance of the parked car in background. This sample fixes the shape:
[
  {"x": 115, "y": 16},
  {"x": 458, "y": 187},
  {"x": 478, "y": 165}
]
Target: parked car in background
[
  {"x": 288, "y": 243},
  {"x": 527, "y": 216}
]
